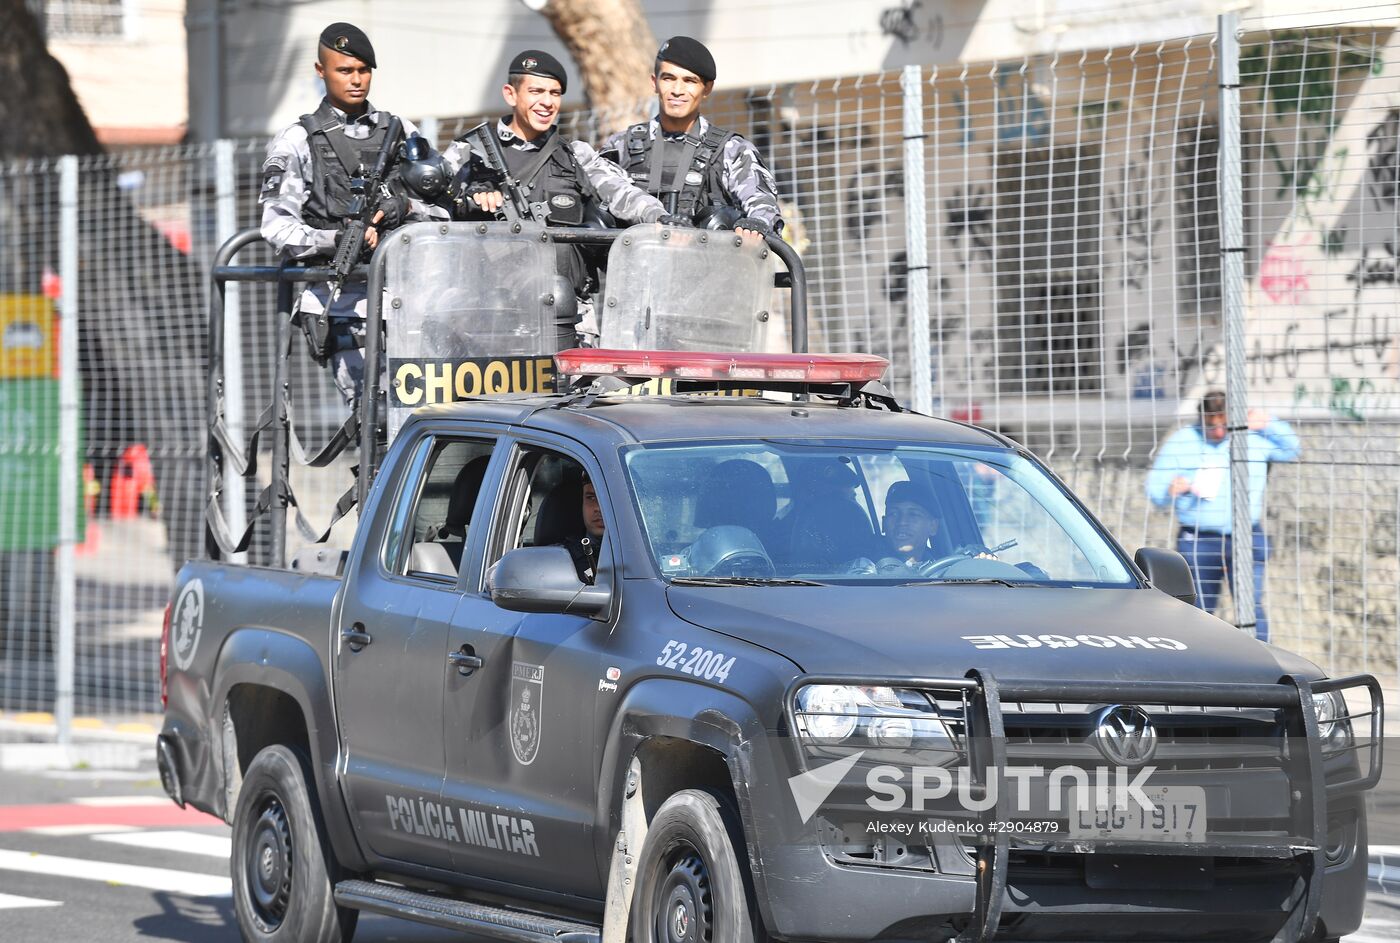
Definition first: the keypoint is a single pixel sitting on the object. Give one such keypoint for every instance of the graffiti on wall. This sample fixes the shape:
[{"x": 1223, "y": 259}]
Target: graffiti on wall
[
  {"x": 911, "y": 22},
  {"x": 1383, "y": 168},
  {"x": 1136, "y": 222},
  {"x": 1327, "y": 331},
  {"x": 1134, "y": 266}
]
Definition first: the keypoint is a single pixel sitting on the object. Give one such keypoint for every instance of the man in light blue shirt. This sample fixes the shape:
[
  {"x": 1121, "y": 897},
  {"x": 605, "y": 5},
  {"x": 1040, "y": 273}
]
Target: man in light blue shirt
[{"x": 1192, "y": 474}]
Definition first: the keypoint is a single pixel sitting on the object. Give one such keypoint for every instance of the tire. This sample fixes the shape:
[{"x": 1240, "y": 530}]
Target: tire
[
  {"x": 693, "y": 884},
  {"x": 283, "y": 869}
]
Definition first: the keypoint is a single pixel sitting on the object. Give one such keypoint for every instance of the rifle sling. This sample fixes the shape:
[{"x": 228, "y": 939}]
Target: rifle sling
[
  {"x": 532, "y": 170},
  {"x": 658, "y": 160}
]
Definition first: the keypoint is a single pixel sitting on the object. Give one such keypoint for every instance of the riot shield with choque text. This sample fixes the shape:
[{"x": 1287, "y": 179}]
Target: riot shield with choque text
[
  {"x": 471, "y": 309},
  {"x": 689, "y": 289}
]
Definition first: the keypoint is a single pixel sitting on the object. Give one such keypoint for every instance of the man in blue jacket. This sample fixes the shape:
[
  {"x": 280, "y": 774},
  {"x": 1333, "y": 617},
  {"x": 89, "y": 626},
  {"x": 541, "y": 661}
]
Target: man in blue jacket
[{"x": 1192, "y": 474}]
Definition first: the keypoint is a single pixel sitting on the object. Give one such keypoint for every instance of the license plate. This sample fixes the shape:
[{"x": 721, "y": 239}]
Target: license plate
[{"x": 1178, "y": 814}]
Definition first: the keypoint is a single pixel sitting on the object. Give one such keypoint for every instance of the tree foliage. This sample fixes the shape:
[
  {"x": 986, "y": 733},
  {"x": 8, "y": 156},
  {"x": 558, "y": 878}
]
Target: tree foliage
[
  {"x": 38, "y": 110},
  {"x": 613, "y": 47}
]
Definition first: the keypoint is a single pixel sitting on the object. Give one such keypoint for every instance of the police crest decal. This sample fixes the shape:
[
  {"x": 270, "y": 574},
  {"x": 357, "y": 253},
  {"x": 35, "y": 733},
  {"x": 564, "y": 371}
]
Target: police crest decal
[
  {"x": 526, "y": 694},
  {"x": 186, "y": 623}
]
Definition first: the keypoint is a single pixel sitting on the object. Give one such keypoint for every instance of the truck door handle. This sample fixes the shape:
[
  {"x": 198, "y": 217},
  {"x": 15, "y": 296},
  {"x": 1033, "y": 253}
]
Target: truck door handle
[
  {"x": 356, "y": 636},
  {"x": 466, "y": 660}
]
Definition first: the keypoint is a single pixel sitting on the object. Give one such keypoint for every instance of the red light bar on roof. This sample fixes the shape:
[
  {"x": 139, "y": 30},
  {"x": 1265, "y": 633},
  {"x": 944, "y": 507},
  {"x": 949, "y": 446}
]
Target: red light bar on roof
[{"x": 706, "y": 365}]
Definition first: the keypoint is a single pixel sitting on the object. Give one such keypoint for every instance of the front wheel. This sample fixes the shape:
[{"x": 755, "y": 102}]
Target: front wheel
[
  {"x": 283, "y": 871},
  {"x": 691, "y": 884}
]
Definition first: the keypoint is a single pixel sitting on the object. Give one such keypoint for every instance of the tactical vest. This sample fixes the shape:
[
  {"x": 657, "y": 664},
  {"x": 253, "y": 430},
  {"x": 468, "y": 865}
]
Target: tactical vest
[
  {"x": 336, "y": 158},
  {"x": 552, "y": 176},
  {"x": 691, "y": 169}
]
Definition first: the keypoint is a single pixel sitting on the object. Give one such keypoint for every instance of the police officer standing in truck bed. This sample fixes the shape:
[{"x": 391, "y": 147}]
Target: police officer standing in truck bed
[
  {"x": 551, "y": 177},
  {"x": 306, "y": 192},
  {"x": 695, "y": 168}
]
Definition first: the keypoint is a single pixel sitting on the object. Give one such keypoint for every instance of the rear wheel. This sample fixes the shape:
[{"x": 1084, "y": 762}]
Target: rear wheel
[
  {"x": 283, "y": 869},
  {"x": 692, "y": 883}
]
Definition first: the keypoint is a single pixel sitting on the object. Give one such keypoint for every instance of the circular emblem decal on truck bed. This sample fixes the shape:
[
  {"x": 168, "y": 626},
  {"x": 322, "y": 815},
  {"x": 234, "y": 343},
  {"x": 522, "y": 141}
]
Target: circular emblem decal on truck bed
[{"x": 186, "y": 622}]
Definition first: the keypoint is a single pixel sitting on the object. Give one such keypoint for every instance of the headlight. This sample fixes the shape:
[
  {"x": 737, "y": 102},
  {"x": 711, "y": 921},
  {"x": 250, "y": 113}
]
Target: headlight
[
  {"x": 828, "y": 711},
  {"x": 1332, "y": 724},
  {"x": 872, "y": 717}
]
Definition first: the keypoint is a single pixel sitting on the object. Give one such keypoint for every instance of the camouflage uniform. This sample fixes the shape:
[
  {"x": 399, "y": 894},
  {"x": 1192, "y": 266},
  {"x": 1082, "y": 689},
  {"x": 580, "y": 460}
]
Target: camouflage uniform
[
  {"x": 570, "y": 178},
  {"x": 286, "y": 184},
  {"x": 734, "y": 176},
  {"x": 615, "y": 191}
]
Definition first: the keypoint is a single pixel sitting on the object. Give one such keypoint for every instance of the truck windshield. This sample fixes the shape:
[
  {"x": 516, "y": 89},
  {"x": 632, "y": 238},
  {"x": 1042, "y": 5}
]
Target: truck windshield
[{"x": 796, "y": 513}]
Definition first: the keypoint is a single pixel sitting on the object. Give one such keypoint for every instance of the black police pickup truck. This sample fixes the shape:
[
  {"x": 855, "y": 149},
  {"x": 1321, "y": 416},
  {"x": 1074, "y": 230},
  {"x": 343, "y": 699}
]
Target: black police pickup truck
[{"x": 694, "y": 668}]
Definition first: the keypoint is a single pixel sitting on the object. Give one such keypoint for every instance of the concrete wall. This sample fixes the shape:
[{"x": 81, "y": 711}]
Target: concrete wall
[
  {"x": 133, "y": 88},
  {"x": 446, "y": 59}
]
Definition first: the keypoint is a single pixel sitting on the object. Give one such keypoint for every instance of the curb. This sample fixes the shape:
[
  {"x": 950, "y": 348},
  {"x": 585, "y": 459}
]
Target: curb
[
  {"x": 94, "y": 743},
  {"x": 1384, "y": 870},
  {"x": 42, "y": 724},
  {"x": 92, "y": 755}
]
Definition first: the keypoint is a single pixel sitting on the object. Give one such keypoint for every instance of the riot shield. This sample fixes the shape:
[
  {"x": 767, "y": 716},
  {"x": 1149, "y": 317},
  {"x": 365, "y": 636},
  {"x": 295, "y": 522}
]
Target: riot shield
[
  {"x": 689, "y": 289},
  {"x": 471, "y": 309}
]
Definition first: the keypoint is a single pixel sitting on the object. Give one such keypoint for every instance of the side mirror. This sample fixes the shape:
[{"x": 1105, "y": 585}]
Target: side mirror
[
  {"x": 543, "y": 579},
  {"x": 1168, "y": 571}
]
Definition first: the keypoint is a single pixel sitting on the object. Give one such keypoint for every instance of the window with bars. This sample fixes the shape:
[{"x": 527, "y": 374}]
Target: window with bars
[
  {"x": 1198, "y": 213},
  {"x": 1049, "y": 287},
  {"x": 80, "y": 20}
]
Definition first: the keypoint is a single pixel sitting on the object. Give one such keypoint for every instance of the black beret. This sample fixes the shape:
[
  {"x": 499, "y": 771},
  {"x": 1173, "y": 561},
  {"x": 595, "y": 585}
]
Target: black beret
[
  {"x": 350, "y": 40},
  {"x": 536, "y": 62},
  {"x": 689, "y": 54}
]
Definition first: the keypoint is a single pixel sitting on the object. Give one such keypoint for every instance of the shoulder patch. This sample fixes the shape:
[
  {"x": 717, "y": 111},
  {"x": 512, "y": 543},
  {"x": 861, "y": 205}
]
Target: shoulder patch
[{"x": 273, "y": 170}]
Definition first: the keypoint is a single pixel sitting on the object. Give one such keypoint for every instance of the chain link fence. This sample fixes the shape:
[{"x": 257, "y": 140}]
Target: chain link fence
[{"x": 1035, "y": 244}]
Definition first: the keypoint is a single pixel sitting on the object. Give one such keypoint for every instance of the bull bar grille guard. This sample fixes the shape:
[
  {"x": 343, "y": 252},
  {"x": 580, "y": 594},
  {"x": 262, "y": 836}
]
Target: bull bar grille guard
[{"x": 982, "y": 695}]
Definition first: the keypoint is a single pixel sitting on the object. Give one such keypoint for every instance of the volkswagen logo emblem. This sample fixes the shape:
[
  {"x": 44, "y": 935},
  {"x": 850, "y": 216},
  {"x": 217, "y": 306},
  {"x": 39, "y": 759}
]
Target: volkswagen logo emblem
[{"x": 1125, "y": 735}]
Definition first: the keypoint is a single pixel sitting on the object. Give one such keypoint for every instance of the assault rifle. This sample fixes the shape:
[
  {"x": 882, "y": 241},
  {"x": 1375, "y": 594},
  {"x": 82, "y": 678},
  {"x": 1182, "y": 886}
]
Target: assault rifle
[
  {"x": 488, "y": 147},
  {"x": 366, "y": 192}
]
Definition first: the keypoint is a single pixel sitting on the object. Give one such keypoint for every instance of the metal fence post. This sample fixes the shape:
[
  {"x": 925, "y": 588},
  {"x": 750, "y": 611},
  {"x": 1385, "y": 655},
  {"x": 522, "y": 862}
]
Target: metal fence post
[
  {"x": 911, "y": 83},
  {"x": 226, "y": 223},
  {"x": 1231, "y": 177},
  {"x": 69, "y": 461},
  {"x": 428, "y": 127}
]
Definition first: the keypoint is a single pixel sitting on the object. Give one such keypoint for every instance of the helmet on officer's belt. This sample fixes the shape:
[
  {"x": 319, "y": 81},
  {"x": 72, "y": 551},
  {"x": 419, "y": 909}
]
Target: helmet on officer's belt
[{"x": 729, "y": 550}]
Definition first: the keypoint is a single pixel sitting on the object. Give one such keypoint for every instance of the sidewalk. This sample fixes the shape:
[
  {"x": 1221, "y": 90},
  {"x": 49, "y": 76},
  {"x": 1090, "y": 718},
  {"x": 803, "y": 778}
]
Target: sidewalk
[{"x": 29, "y": 741}]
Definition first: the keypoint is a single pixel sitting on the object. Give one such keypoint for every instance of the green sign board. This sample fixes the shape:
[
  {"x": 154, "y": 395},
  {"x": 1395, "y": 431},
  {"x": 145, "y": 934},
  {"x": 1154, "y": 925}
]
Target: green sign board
[{"x": 29, "y": 466}]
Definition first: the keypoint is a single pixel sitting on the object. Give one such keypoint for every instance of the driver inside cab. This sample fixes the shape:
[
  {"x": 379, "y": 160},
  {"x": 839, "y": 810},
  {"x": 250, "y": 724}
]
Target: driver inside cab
[
  {"x": 911, "y": 519},
  {"x": 584, "y": 549}
]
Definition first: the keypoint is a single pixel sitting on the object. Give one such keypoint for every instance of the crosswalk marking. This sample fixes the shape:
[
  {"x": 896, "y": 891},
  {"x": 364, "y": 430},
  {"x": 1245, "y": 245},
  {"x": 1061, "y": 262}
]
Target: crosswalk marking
[
  {"x": 159, "y": 879},
  {"x": 193, "y": 843},
  {"x": 68, "y": 831},
  {"x": 102, "y": 802},
  {"x": 13, "y": 902}
]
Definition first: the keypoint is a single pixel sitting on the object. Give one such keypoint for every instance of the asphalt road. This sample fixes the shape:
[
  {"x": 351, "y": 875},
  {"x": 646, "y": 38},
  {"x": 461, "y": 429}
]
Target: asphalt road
[
  {"x": 94, "y": 857},
  {"x": 103, "y": 857}
]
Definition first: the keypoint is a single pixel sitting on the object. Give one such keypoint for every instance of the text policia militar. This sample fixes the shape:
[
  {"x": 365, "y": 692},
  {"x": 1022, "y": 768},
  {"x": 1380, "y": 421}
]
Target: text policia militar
[{"x": 428, "y": 818}]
